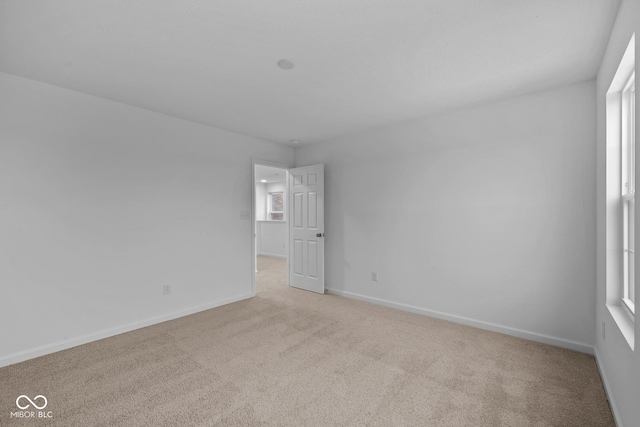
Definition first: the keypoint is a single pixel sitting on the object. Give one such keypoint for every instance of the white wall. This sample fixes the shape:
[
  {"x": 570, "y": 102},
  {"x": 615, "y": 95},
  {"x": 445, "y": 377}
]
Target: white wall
[
  {"x": 482, "y": 215},
  {"x": 101, "y": 204},
  {"x": 272, "y": 235},
  {"x": 272, "y": 187},
  {"x": 619, "y": 365},
  {"x": 273, "y": 238},
  {"x": 261, "y": 201}
]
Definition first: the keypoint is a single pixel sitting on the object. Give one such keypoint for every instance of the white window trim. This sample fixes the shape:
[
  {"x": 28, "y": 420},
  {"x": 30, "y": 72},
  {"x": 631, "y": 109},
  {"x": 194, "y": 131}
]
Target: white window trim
[
  {"x": 270, "y": 206},
  {"x": 620, "y": 196},
  {"x": 629, "y": 308},
  {"x": 627, "y": 120}
]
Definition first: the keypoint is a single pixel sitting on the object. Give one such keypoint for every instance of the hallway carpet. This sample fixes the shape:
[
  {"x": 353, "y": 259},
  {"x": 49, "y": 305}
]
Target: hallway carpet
[{"x": 293, "y": 358}]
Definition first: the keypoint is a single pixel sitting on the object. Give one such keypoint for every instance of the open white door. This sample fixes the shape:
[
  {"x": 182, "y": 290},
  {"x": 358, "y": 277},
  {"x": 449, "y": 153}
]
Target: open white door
[{"x": 306, "y": 228}]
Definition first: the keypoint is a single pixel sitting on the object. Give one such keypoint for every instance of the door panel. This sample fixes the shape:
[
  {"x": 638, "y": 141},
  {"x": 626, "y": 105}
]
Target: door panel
[
  {"x": 306, "y": 233},
  {"x": 313, "y": 260},
  {"x": 297, "y": 257},
  {"x": 312, "y": 209}
]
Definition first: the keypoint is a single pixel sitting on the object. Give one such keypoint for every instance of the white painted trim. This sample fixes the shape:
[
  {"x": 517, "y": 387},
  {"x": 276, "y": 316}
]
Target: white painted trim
[
  {"x": 271, "y": 255},
  {"x": 74, "y": 342},
  {"x": 607, "y": 388},
  {"x": 532, "y": 336},
  {"x": 624, "y": 323}
]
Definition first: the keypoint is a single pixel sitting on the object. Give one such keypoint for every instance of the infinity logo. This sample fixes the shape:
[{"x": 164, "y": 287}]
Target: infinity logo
[{"x": 22, "y": 396}]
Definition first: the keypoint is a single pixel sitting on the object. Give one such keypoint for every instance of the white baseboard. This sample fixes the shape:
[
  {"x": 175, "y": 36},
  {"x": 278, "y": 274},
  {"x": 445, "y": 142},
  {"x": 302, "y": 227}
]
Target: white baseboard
[
  {"x": 532, "y": 336},
  {"x": 271, "y": 255},
  {"x": 74, "y": 342},
  {"x": 607, "y": 388}
]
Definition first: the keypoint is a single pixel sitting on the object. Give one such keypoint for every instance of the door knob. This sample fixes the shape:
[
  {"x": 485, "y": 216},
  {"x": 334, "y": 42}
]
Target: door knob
[{"x": 320, "y": 235}]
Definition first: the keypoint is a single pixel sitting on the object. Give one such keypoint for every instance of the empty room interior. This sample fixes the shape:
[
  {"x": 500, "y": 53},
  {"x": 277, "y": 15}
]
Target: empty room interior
[{"x": 318, "y": 213}]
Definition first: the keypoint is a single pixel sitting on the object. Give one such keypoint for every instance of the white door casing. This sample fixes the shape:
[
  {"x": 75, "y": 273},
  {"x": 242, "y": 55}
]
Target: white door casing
[{"x": 306, "y": 228}]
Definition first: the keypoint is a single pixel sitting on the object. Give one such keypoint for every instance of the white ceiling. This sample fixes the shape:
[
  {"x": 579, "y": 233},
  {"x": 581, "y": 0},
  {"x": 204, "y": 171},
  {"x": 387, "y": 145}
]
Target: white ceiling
[
  {"x": 358, "y": 63},
  {"x": 270, "y": 174}
]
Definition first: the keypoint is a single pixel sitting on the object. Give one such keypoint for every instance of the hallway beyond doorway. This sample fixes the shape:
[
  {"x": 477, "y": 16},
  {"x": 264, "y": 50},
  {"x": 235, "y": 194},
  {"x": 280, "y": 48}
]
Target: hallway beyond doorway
[{"x": 272, "y": 274}]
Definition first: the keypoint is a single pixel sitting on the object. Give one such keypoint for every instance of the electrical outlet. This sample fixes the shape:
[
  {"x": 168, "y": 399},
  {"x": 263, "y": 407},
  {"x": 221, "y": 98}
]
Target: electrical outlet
[
  {"x": 374, "y": 276},
  {"x": 603, "y": 331},
  {"x": 166, "y": 289}
]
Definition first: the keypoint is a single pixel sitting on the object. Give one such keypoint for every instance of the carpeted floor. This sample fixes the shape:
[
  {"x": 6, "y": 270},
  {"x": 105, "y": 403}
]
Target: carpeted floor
[{"x": 293, "y": 358}]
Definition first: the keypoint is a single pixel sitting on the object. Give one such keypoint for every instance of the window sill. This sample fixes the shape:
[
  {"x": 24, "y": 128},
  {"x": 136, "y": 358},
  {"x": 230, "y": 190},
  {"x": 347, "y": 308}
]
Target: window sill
[
  {"x": 629, "y": 309},
  {"x": 624, "y": 322}
]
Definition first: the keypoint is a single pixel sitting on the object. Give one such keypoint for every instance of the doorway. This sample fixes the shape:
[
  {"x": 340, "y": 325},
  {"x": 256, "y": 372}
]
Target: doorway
[{"x": 270, "y": 226}]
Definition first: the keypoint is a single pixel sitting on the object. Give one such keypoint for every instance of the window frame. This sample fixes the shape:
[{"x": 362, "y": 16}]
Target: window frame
[
  {"x": 627, "y": 175},
  {"x": 616, "y": 197},
  {"x": 270, "y": 205}
]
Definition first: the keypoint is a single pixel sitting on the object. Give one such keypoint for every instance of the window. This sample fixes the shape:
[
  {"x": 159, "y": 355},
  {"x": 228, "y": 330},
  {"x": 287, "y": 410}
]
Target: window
[
  {"x": 620, "y": 195},
  {"x": 276, "y": 206},
  {"x": 628, "y": 179}
]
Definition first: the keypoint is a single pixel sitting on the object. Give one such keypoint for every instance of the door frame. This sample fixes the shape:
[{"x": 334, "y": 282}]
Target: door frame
[{"x": 254, "y": 249}]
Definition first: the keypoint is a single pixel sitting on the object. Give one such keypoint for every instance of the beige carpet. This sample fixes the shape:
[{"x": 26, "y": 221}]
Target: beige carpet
[{"x": 293, "y": 358}]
